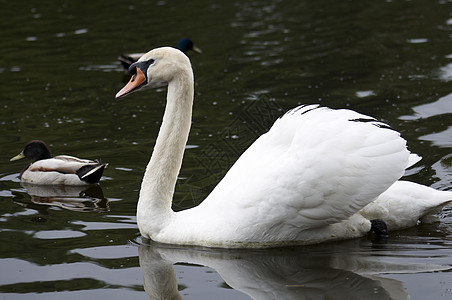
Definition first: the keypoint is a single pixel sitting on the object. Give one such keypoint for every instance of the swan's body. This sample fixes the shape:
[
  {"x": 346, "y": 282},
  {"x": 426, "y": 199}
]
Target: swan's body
[
  {"x": 58, "y": 170},
  {"x": 309, "y": 179}
]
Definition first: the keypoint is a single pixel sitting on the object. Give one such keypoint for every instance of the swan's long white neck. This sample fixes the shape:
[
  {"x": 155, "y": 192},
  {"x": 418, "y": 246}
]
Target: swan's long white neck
[{"x": 157, "y": 189}]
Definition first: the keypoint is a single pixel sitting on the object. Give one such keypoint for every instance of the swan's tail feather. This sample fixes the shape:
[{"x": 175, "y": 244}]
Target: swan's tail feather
[
  {"x": 439, "y": 207},
  {"x": 413, "y": 159}
]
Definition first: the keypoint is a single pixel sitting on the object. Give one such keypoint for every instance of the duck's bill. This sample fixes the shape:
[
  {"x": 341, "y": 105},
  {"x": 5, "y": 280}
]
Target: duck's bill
[
  {"x": 18, "y": 156},
  {"x": 196, "y": 49},
  {"x": 136, "y": 82}
]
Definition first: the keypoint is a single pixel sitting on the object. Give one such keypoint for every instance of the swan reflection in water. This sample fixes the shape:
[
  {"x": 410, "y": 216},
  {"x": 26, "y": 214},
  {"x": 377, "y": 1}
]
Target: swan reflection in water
[
  {"x": 322, "y": 272},
  {"x": 75, "y": 198}
]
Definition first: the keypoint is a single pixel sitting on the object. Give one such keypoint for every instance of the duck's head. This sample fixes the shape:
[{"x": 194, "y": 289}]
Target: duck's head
[
  {"x": 186, "y": 44},
  {"x": 160, "y": 64},
  {"x": 35, "y": 150}
]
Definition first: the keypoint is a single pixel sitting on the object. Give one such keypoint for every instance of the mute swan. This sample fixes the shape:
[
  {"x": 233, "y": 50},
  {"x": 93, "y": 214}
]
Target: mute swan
[
  {"x": 183, "y": 45},
  {"x": 317, "y": 175},
  {"x": 58, "y": 170}
]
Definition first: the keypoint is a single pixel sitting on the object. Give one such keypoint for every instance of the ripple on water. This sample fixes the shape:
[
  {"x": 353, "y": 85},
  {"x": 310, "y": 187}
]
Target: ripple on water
[
  {"x": 108, "y": 252},
  {"x": 442, "y": 106},
  {"x": 64, "y": 272},
  {"x": 58, "y": 234},
  {"x": 441, "y": 139},
  {"x": 106, "y": 225}
]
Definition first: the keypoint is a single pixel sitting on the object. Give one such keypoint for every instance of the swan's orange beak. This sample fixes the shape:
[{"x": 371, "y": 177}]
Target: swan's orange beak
[{"x": 138, "y": 79}]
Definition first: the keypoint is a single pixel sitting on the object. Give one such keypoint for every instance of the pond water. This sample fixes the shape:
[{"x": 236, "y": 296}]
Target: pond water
[{"x": 58, "y": 77}]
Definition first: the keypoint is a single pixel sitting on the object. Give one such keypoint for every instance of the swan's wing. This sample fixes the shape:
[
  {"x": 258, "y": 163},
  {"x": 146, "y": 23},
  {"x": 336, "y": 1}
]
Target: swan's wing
[{"x": 315, "y": 167}]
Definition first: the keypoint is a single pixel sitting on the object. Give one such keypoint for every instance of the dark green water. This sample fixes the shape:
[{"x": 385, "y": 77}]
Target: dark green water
[{"x": 58, "y": 78}]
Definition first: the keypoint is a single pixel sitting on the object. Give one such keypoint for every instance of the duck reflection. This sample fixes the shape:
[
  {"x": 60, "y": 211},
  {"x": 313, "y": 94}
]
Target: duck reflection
[
  {"x": 297, "y": 273},
  {"x": 75, "y": 198}
]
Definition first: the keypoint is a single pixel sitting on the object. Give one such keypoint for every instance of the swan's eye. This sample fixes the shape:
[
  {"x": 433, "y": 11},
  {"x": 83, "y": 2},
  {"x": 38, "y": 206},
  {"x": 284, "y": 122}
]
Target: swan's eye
[{"x": 142, "y": 65}]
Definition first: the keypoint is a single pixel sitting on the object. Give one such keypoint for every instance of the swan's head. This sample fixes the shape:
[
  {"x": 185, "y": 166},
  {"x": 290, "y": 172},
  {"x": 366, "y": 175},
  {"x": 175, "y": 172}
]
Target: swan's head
[{"x": 160, "y": 64}]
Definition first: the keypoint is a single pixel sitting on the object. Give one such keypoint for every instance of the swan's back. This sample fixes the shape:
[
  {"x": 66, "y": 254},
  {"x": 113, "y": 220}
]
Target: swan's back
[{"x": 313, "y": 168}]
